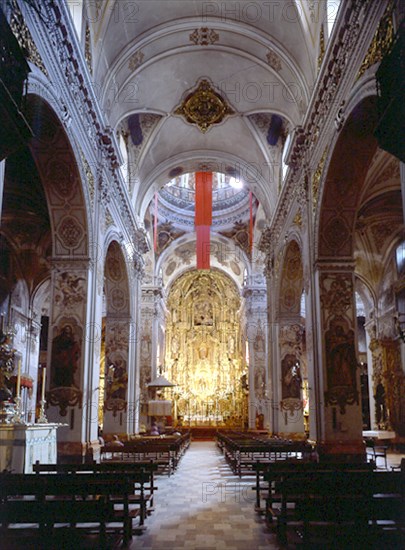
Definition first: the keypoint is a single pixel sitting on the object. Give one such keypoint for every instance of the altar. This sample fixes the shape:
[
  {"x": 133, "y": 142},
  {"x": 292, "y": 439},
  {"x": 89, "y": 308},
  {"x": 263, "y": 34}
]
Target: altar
[{"x": 21, "y": 445}]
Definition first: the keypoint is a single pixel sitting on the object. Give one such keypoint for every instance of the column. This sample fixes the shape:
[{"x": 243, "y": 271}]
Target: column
[
  {"x": 69, "y": 345},
  {"x": 337, "y": 334},
  {"x": 255, "y": 295}
]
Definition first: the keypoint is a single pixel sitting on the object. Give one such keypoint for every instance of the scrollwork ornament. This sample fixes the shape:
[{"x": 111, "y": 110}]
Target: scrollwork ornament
[{"x": 64, "y": 398}]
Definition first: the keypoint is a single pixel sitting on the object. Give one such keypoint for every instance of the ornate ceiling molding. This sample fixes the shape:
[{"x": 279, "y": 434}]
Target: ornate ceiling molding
[{"x": 204, "y": 107}]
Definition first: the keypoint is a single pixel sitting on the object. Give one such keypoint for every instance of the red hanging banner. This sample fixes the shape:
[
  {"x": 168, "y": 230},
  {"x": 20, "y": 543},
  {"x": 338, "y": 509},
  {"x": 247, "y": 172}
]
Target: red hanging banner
[
  {"x": 155, "y": 223},
  {"x": 203, "y": 217},
  {"x": 203, "y": 246}
]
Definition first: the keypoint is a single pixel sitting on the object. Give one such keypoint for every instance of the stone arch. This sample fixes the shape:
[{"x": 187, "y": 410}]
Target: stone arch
[
  {"x": 57, "y": 166},
  {"x": 344, "y": 182}
]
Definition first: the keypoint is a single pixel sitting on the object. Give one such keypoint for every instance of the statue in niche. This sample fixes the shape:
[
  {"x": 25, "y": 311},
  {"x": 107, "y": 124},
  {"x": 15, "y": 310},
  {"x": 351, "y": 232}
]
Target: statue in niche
[
  {"x": 203, "y": 313},
  {"x": 65, "y": 358},
  {"x": 231, "y": 344},
  {"x": 260, "y": 382},
  {"x": 175, "y": 345},
  {"x": 145, "y": 348}
]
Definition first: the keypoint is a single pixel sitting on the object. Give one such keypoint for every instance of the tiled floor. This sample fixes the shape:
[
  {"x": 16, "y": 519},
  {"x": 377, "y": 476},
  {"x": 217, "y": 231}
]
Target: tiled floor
[{"x": 204, "y": 506}]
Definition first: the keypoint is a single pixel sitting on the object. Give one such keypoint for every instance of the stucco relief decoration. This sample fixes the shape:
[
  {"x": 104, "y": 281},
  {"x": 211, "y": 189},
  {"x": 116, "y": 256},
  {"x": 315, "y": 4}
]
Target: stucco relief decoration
[
  {"x": 70, "y": 290},
  {"x": 292, "y": 339},
  {"x": 185, "y": 253},
  {"x": 259, "y": 376},
  {"x": 166, "y": 235},
  {"x": 316, "y": 179},
  {"x": 70, "y": 232},
  {"x": 336, "y": 234},
  {"x": 240, "y": 235},
  {"x": 114, "y": 267},
  {"x": 204, "y": 36},
  {"x": 274, "y": 61},
  {"x": 118, "y": 299},
  {"x": 25, "y": 40},
  {"x": 116, "y": 352},
  {"x": 204, "y": 107},
  {"x": 383, "y": 231},
  {"x": 61, "y": 178},
  {"x": 291, "y": 286},
  {"x": 340, "y": 353},
  {"x": 382, "y": 41},
  {"x": 337, "y": 294},
  {"x": 136, "y": 60}
]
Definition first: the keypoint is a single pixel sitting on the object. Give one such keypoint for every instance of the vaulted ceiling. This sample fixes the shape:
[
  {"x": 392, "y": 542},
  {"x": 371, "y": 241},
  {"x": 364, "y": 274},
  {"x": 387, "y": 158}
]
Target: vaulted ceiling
[{"x": 259, "y": 61}]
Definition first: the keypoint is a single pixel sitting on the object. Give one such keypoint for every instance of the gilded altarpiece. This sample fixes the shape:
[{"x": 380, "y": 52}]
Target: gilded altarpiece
[
  {"x": 388, "y": 385},
  {"x": 203, "y": 348}
]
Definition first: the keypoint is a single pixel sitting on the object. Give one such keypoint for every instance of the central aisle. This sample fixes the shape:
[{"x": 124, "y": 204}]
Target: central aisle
[{"x": 203, "y": 505}]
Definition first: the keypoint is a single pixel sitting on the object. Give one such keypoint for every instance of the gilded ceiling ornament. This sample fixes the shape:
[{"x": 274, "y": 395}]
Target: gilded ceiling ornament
[
  {"x": 274, "y": 61},
  {"x": 322, "y": 47},
  {"x": 204, "y": 36},
  {"x": 88, "y": 55},
  {"x": 25, "y": 40},
  {"x": 298, "y": 218},
  {"x": 204, "y": 107},
  {"x": 381, "y": 43},
  {"x": 316, "y": 180}
]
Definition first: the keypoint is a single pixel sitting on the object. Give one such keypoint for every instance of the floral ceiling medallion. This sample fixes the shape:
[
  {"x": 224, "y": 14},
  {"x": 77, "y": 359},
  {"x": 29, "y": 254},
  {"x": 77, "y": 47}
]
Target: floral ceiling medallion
[{"x": 204, "y": 107}]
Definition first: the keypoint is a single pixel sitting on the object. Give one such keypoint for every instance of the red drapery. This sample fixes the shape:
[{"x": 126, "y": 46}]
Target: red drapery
[{"x": 203, "y": 217}]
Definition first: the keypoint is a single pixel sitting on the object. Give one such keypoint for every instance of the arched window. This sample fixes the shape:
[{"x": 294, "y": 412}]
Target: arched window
[
  {"x": 400, "y": 257},
  {"x": 76, "y": 11},
  {"x": 285, "y": 150},
  {"x": 332, "y": 8}
]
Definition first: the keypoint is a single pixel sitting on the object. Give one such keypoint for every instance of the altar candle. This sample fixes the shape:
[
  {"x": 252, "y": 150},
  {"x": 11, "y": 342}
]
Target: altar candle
[
  {"x": 18, "y": 378},
  {"x": 43, "y": 384}
]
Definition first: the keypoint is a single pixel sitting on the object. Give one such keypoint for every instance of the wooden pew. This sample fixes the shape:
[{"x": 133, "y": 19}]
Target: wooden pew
[
  {"x": 143, "y": 491},
  {"x": 53, "y": 499},
  {"x": 267, "y": 474},
  {"x": 164, "y": 451},
  {"x": 343, "y": 506}
]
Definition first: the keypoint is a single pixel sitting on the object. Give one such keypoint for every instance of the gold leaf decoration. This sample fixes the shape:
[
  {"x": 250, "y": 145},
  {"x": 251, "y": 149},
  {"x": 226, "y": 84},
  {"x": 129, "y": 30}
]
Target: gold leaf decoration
[{"x": 204, "y": 107}]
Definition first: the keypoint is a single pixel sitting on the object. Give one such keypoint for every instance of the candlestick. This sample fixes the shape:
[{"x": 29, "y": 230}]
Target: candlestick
[
  {"x": 43, "y": 384},
  {"x": 18, "y": 378}
]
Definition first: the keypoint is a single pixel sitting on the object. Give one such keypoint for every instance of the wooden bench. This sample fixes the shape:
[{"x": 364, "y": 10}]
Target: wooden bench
[
  {"x": 345, "y": 508},
  {"x": 267, "y": 474},
  {"x": 48, "y": 500},
  {"x": 243, "y": 451},
  {"x": 164, "y": 451},
  {"x": 144, "y": 487}
]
